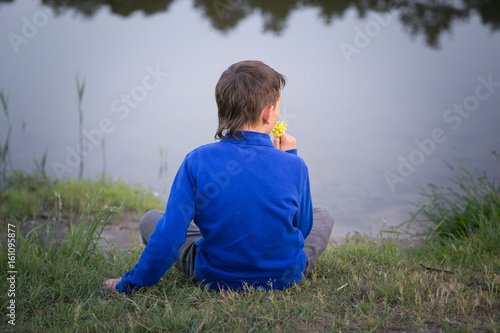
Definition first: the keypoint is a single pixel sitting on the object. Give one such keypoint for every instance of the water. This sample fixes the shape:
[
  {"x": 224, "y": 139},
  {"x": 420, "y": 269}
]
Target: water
[{"x": 373, "y": 94}]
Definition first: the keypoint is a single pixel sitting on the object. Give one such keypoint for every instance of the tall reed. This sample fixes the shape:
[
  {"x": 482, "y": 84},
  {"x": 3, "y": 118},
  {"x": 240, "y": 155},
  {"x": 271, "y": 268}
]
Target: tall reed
[
  {"x": 80, "y": 88},
  {"x": 4, "y": 151},
  {"x": 40, "y": 165},
  {"x": 103, "y": 148},
  {"x": 163, "y": 168}
]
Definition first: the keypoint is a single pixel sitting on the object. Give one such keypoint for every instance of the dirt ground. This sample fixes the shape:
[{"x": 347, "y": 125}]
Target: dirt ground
[{"x": 122, "y": 231}]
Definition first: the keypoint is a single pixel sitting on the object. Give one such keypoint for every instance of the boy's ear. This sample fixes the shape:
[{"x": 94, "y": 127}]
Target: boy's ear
[{"x": 266, "y": 114}]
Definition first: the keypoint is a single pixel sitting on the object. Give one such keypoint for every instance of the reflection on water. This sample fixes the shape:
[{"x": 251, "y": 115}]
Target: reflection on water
[
  {"x": 429, "y": 18},
  {"x": 374, "y": 113}
]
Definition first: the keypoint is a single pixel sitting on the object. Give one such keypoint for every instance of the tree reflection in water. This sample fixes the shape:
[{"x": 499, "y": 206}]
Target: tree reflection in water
[{"x": 430, "y": 18}]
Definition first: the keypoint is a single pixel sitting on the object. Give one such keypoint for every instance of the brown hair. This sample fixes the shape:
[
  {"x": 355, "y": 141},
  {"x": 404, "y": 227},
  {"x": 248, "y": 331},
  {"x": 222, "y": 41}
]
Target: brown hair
[{"x": 243, "y": 90}]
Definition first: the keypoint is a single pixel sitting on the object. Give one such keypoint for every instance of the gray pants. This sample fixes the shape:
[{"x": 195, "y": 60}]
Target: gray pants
[{"x": 314, "y": 245}]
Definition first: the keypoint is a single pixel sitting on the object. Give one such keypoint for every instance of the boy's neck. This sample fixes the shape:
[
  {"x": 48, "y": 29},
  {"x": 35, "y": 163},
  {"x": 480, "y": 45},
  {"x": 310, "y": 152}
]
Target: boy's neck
[{"x": 260, "y": 129}]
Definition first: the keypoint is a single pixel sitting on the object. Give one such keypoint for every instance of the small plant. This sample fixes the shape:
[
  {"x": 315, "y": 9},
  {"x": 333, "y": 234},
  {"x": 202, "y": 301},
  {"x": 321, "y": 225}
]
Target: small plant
[
  {"x": 4, "y": 151},
  {"x": 40, "y": 166},
  {"x": 163, "y": 168},
  {"x": 80, "y": 89},
  {"x": 83, "y": 237},
  {"x": 471, "y": 205},
  {"x": 103, "y": 148}
]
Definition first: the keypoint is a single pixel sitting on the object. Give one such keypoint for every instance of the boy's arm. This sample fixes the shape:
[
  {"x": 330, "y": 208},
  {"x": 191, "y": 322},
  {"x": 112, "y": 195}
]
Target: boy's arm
[
  {"x": 303, "y": 220},
  {"x": 170, "y": 233}
]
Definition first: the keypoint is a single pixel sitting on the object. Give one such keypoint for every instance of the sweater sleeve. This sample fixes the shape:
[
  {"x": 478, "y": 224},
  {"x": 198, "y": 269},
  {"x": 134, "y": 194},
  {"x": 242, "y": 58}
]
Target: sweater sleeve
[
  {"x": 170, "y": 233},
  {"x": 303, "y": 220}
]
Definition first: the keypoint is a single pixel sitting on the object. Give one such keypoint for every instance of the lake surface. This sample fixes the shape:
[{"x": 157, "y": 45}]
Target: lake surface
[{"x": 378, "y": 98}]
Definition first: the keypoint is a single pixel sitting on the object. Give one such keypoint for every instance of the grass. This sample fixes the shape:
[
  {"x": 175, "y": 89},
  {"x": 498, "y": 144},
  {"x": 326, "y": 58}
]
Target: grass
[
  {"x": 359, "y": 286},
  {"x": 469, "y": 209},
  {"x": 32, "y": 195},
  {"x": 448, "y": 283}
]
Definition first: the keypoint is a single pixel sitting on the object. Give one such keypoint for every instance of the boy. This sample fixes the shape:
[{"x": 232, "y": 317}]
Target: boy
[{"x": 248, "y": 197}]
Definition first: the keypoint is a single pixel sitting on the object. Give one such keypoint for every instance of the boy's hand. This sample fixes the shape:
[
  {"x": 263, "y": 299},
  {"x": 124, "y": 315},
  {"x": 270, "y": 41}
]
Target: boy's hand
[
  {"x": 285, "y": 142},
  {"x": 110, "y": 284}
]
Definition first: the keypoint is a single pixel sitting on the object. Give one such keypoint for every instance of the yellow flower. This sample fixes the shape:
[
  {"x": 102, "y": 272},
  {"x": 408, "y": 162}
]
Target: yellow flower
[{"x": 279, "y": 129}]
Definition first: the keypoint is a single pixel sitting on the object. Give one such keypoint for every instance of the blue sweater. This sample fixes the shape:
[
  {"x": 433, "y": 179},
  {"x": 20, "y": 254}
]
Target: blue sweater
[{"x": 253, "y": 206}]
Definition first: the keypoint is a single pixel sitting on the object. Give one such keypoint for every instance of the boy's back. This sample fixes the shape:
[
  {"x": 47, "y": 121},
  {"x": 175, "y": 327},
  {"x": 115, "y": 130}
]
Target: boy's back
[
  {"x": 248, "y": 197},
  {"x": 253, "y": 208}
]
